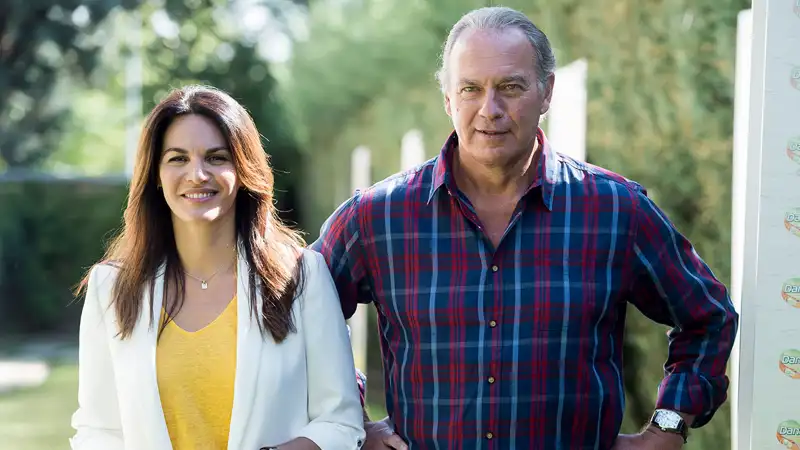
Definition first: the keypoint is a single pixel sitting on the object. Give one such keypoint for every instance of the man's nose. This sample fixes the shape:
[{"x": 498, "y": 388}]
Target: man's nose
[{"x": 492, "y": 107}]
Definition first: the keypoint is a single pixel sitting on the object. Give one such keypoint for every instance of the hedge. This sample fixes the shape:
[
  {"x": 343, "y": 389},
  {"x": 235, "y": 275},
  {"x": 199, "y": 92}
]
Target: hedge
[{"x": 51, "y": 231}]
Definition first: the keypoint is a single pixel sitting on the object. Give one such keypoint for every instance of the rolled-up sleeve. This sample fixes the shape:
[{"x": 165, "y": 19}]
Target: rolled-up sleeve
[{"x": 672, "y": 285}]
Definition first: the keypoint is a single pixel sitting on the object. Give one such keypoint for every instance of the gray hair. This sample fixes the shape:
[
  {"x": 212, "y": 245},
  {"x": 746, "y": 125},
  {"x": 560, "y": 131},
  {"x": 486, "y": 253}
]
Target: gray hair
[{"x": 500, "y": 18}]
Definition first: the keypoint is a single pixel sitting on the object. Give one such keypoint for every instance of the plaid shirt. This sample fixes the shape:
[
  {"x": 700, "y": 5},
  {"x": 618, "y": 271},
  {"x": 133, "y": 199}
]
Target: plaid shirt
[{"x": 521, "y": 346}]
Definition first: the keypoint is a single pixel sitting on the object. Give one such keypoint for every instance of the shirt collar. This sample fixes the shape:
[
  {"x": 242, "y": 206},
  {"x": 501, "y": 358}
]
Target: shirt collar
[{"x": 545, "y": 169}]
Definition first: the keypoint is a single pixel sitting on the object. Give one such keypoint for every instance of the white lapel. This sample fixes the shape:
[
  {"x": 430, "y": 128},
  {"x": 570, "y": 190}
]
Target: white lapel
[
  {"x": 144, "y": 338},
  {"x": 249, "y": 344},
  {"x": 248, "y": 356}
]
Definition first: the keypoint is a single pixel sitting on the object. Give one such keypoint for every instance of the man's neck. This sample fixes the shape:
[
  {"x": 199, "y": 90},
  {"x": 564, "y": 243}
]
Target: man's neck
[
  {"x": 509, "y": 181},
  {"x": 205, "y": 249}
]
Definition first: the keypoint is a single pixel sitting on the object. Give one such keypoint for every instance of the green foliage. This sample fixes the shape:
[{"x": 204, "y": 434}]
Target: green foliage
[
  {"x": 51, "y": 232},
  {"x": 93, "y": 142},
  {"x": 660, "y": 90},
  {"x": 44, "y": 42}
]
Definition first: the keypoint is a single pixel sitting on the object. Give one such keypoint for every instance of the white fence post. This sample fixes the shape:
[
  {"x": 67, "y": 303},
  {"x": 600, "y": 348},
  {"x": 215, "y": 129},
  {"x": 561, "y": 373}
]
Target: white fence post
[
  {"x": 412, "y": 150},
  {"x": 360, "y": 178}
]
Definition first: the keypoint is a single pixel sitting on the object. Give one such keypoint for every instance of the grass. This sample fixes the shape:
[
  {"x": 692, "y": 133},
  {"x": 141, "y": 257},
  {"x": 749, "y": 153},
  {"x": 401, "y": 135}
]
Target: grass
[{"x": 39, "y": 418}]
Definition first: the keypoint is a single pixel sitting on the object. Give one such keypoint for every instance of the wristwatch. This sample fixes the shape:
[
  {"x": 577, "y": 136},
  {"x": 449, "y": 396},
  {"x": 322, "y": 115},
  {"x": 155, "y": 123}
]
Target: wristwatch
[{"x": 670, "y": 422}]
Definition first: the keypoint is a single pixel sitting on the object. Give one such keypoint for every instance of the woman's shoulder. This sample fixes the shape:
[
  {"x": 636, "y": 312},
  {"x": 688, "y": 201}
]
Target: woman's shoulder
[
  {"x": 107, "y": 268},
  {"x": 317, "y": 295},
  {"x": 310, "y": 256},
  {"x": 316, "y": 274},
  {"x": 103, "y": 275},
  {"x": 314, "y": 263}
]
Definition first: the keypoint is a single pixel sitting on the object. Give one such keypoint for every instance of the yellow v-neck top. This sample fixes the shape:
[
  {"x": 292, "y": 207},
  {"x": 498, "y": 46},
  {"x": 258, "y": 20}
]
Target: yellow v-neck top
[{"x": 196, "y": 372}]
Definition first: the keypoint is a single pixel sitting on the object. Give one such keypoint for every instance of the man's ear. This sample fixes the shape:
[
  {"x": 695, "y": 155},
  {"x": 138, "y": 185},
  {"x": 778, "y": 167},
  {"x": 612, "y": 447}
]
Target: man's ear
[
  {"x": 548, "y": 87},
  {"x": 447, "y": 107}
]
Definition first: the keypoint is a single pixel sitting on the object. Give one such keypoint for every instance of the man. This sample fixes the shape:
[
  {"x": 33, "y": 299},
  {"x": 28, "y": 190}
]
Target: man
[{"x": 501, "y": 270}]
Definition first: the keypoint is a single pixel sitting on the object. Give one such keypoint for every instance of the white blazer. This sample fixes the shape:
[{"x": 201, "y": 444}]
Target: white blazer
[{"x": 303, "y": 387}]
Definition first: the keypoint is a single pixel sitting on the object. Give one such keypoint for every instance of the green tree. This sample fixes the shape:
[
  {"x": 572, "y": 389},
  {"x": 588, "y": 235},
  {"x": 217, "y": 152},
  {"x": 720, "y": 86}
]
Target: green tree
[{"x": 42, "y": 42}]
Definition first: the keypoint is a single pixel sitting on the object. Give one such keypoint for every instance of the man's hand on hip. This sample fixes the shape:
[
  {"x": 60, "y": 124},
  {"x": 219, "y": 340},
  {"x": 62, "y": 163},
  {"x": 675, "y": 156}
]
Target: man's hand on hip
[{"x": 381, "y": 436}]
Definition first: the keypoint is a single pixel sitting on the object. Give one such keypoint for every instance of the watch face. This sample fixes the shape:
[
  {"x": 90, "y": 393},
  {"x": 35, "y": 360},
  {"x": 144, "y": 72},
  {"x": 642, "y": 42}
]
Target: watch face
[{"x": 668, "y": 419}]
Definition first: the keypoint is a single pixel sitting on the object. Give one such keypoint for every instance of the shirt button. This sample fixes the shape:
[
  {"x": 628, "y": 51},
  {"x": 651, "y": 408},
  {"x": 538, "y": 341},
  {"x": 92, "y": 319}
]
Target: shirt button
[
  {"x": 491, "y": 380},
  {"x": 492, "y": 324},
  {"x": 494, "y": 268},
  {"x": 489, "y": 435}
]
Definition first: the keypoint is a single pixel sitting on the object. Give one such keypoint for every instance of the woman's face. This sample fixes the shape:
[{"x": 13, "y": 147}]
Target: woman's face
[{"x": 196, "y": 171}]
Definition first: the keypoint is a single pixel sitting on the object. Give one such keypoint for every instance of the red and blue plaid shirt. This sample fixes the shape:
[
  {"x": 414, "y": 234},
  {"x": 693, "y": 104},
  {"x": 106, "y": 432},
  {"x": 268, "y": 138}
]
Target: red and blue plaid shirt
[{"x": 520, "y": 346}]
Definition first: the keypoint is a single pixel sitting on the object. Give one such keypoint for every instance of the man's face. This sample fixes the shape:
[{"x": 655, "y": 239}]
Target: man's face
[{"x": 492, "y": 95}]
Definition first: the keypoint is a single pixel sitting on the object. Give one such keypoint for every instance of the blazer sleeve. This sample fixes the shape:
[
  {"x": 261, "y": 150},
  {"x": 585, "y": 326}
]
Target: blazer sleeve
[
  {"x": 334, "y": 407},
  {"x": 97, "y": 419}
]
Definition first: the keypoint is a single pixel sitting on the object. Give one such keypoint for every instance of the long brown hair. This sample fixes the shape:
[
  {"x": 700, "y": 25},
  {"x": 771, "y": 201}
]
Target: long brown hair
[{"x": 146, "y": 241}]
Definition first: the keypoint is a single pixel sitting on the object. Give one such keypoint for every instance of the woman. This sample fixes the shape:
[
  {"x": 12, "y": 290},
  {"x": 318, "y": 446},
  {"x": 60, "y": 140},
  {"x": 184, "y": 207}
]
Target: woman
[{"x": 209, "y": 326}]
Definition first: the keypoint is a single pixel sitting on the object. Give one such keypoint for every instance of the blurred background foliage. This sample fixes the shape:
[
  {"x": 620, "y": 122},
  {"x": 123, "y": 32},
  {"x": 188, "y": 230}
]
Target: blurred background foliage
[
  {"x": 320, "y": 78},
  {"x": 46, "y": 46}
]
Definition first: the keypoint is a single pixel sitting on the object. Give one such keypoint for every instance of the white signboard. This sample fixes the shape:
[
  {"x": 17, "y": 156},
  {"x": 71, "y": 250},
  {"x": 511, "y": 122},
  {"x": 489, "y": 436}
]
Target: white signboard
[
  {"x": 770, "y": 306},
  {"x": 566, "y": 119}
]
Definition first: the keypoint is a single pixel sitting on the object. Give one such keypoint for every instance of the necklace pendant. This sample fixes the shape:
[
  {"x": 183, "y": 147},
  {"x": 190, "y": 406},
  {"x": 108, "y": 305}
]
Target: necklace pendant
[{"x": 203, "y": 285}]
